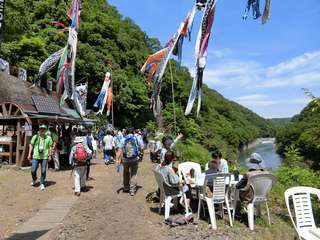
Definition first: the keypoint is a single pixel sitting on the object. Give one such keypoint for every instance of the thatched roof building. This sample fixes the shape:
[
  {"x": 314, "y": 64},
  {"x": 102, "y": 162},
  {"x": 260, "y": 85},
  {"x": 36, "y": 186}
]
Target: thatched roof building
[
  {"x": 24, "y": 106},
  {"x": 35, "y": 102}
]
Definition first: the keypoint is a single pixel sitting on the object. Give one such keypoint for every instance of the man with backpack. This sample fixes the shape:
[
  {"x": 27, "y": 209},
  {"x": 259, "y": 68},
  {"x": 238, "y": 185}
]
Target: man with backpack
[
  {"x": 41, "y": 149},
  {"x": 79, "y": 155},
  {"x": 131, "y": 152}
]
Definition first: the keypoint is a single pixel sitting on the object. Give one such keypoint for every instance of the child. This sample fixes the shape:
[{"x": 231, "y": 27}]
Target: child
[
  {"x": 213, "y": 168},
  {"x": 190, "y": 179},
  {"x": 79, "y": 155}
]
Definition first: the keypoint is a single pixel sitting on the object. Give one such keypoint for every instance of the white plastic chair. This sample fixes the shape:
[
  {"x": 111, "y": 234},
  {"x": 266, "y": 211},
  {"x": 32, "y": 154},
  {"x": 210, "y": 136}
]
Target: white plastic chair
[
  {"x": 165, "y": 196},
  {"x": 304, "y": 222},
  {"x": 185, "y": 167},
  {"x": 219, "y": 197},
  {"x": 261, "y": 185}
]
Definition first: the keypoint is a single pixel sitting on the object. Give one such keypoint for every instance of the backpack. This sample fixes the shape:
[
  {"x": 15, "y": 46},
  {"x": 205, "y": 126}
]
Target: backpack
[
  {"x": 80, "y": 155},
  {"x": 131, "y": 150}
]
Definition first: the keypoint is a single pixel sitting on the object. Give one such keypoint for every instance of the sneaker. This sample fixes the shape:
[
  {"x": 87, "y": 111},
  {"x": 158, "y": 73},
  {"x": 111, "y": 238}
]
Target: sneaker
[
  {"x": 132, "y": 193},
  {"x": 42, "y": 187},
  {"x": 77, "y": 194},
  {"x": 33, "y": 183}
]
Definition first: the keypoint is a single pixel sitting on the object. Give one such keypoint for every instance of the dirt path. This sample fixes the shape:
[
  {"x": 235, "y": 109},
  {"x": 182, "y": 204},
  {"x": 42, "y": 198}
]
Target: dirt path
[{"x": 102, "y": 213}]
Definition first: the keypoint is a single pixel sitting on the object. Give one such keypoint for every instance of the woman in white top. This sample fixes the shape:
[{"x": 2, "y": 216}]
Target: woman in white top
[{"x": 109, "y": 144}]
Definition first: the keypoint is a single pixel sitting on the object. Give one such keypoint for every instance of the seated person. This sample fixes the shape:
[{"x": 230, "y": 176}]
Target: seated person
[
  {"x": 213, "y": 168},
  {"x": 165, "y": 168},
  {"x": 256, "y": 166},
  {"x": 223, "y": 164},
  {"x": 190, "y": 178},
  {"x": 170, "y": 176}
]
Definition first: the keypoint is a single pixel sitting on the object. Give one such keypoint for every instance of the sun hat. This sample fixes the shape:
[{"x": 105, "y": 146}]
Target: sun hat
[
  {"x": 43, "y": 126},
  {"x": 78, "y": 140},
  {"x": 255, "y": 161}
]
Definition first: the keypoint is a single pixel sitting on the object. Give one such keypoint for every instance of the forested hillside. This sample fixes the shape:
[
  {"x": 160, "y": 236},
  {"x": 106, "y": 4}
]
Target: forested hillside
[
  {"x": 105, "y": 37},
  {"x": 303, "y": 135}
]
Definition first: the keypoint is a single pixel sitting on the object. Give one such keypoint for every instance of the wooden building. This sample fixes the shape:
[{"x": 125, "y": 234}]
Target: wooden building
[{"x": 22, "y": 108}]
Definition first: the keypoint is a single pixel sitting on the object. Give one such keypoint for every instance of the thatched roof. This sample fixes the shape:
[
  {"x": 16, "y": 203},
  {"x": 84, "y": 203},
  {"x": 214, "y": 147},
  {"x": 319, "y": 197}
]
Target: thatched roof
[
  {"x": 14, "y": 90},
  {"x": 20, "y": 92}
]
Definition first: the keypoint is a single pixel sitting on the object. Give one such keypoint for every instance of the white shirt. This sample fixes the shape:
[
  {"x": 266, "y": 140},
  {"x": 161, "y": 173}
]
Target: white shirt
[
  {"x": 223, "y": 166},
  {"x": 94, "y": 143},
  {"x": 140, "y": 141},
  {"x": 108, "y": 142},
  {"x": 163, "y": 154}
]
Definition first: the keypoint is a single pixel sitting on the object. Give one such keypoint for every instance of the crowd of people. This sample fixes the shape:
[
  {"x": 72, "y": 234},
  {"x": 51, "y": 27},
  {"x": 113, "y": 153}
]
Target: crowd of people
[
  {"x": 122, "y": 147},
  {"x": 125, "y": 148}
]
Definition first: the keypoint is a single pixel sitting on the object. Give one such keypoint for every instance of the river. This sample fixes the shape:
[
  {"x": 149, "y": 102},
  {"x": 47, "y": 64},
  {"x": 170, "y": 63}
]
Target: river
[{"x": 266, "y": 148}]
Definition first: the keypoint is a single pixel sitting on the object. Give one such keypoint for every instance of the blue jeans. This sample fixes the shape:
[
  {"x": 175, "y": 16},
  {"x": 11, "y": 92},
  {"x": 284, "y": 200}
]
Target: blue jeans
[
  {"x": 34, "y": 167},
  {"x": 107, "y": 155}
]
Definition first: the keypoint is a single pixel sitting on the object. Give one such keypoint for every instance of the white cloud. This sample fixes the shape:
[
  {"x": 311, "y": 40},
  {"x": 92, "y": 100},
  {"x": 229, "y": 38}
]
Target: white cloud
[
  {"x": 308, "y": 60},
  {"x": 258, "y": 100},
  {"x": 298, "y": 80},
  {"x": 300, "y": 71},
  {"x": 252, "y": 97},
  {"x": 220, "y": 53}
]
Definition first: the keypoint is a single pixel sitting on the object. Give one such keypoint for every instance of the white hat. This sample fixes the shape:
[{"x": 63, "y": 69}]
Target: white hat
[
  {"x": 78, "y": 140},
  {"x": 255, "y": 161}
]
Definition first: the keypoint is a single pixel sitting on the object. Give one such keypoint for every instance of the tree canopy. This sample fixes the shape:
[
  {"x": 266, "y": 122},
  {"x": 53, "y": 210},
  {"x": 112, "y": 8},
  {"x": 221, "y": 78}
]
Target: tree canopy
[{"x": 303, "y": 134}]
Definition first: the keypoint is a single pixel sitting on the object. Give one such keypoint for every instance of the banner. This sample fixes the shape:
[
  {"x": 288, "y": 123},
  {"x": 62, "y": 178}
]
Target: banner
[
  {"x": 81, "y": 99},
  {"x": 22, "y": 74},
  {"x": 4, "y": 66},
  {"x": 1, "y": 15}
]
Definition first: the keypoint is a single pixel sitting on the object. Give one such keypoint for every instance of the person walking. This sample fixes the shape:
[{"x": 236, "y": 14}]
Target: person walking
[
  {"x": 78, "y": 158},
  {"x": 131, "y": 152},
  {"x": 109, "y": 144},
  {"x": 92, "y": 145},
  {"x": 55, "y": 150},
  {"x": 119, "y": 141},
  {"x": 40, "y": 152}
]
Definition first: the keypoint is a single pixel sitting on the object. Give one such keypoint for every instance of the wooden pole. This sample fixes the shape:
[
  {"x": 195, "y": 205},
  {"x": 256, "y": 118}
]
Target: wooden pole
[
  {"x": 112, "y": 112},
  {"x": 173, "y": 101}
]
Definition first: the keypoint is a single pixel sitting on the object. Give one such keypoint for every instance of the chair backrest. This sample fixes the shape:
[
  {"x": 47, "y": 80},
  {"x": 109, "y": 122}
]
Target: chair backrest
[
  {"x": 160, "y": 180},
  {"x": 261, "y": 185},
  {"x": 185, "y": 167},
  {"x": 206, "y": 167},
  {"x": 301, "y": 199},
  {"x": 219, "y": 185}
]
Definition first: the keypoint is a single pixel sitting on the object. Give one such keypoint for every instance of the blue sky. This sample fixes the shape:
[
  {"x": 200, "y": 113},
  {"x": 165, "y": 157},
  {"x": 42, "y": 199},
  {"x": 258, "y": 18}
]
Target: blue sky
[{"x": 263, "y": 67}]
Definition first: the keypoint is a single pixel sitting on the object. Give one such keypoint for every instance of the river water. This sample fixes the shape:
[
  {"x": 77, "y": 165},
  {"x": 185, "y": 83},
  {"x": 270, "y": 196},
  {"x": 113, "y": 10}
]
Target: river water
[{"x": 267, "y": 149}]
